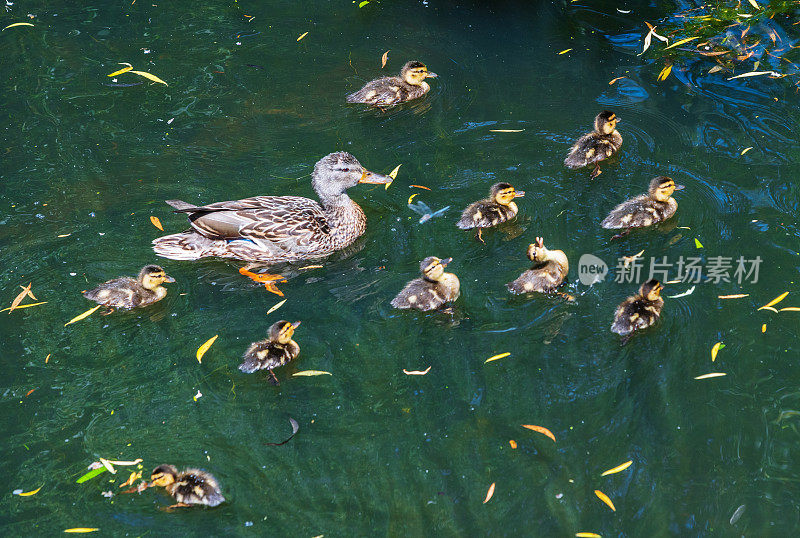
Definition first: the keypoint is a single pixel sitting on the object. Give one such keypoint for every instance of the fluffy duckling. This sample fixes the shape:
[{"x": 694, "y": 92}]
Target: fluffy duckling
[
  {"x": 656, "y": 206},
  {"x": 188, "y": 487},
  {"x": 596, "y": 146},
  {"x": 277, "y": 350},
  {"x": 498, "y": 207},
  {"x": 639, "y": 311},
  {"x": 390, "y": 91},
  {"x": 127, "y": 293},
  {"x": 433, "y": 290},
  {"x": 547, "y": 274}
]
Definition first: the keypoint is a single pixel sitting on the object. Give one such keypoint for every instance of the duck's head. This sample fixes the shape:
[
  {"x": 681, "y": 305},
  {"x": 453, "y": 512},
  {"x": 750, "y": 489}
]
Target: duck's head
[
  {"x": 537, "y": 251},
  {"x": 605, "y": 122},
  {"x": 282, "y": 331},
  {"x": 504, "y": 193},
  {"x": 152, "y": 276},
  {"x": 432, "y": 268},
  {"x": 337, "y": 172},
  {"x": 415, "y": 73},
  {"x": 662, "y": 187},
  {"x": 163, "y": 475},
  {"x": 651, "y": 290}
]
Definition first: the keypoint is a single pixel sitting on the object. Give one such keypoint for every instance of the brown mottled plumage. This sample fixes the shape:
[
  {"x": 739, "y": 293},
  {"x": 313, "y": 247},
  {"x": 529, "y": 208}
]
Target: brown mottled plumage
[
  {"x": 276, "y": 350},
  {"x": 639, "y": 311},
  {"x": 655, "y": 206},
  {"x": 272, "y": 229},
  {"x": 497, "y": 208},
  {"x": 548, "y": 273},
  {"x": 126, "y": 292},
  {"x": 433, "y": 290},
  {"x": 389, "y": 91},
  {"x": 594, "y": 147},
  {"x": 188, "y": 487}
]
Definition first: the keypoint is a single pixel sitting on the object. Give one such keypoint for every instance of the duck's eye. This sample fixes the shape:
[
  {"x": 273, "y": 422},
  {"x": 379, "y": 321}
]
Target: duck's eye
[{"x": 345, "y": 169}]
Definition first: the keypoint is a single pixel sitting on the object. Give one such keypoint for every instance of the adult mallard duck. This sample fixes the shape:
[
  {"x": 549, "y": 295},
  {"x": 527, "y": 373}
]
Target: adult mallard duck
[
  {"x": 390, "y": 91},
  {"x": 277, "y": 350},
  {"x": 639, "y": 311},
  {"x": 273, "y": 229},
  {"x": 127, "y": 293},
  {"x": 548, "y": 273},
  {"x": 433, "y": 290},
  {"x": 656, "y": 206},
  {"x": 188, "y": 487},
  {"x": 498, "y": 207},
  {"x": 596, "y": 146}
]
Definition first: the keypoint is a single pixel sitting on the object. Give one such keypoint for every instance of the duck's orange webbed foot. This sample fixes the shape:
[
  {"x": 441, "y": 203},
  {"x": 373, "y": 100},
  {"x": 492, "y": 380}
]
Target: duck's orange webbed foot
[
  {"x": 269, "y": 280},
  {"x": 172, "y": 507}
]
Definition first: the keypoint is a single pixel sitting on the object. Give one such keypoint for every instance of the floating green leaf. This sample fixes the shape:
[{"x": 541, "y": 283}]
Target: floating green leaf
[{"x": 91, "y": 474}]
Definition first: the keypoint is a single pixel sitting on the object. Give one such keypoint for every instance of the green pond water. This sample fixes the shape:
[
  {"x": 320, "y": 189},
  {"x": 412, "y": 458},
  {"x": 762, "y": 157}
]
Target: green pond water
[{"x": 248, "y": 111}]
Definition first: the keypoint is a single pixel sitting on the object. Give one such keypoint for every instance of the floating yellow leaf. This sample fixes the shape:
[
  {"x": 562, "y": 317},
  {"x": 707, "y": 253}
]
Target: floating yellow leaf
[
  {"x": 714, "y": 69},
  {"x": 665, "y": 73},
  {"x": 681, "y": 42},
  {"x": 136, "y": 475},
  {"x": 755, "y": 74},
  {"x": 776, "y": 300},
  {"x": 790, "y": 309},
  {"x": 202, "y": 349},
  {"x": 20, "y": 307},
  {"x": 26, "y": 290},
  {"x": 393, "y": 175},
  {"x": 712, "y": 374},
  {"x": 309, "y": 373},
  {"x": 120, "y": 71},
  {"x": 565, "y": 51},
  {"x": 754, "y": 4},
  {"x": 82, "y": 316},
  {"x": 411, "y": 198},
  {"x": 697, "y": 243},
  {"x": 762, "y": 308},
  {"x": 613, "y": 80},
  {"x": 126, "y": 463},
  {"x": 302, "y": 36},
  {"x": 495, "y": 357},
  {"x": 489, "y": 493},
  {"x": 745, "y": 150},
  {"x": 156, "y": 222},
  {"x": 764, "y": 328},
  {"x": 384, "y": 58},
  {"x": 618, "y": 468},
  {"x": 29, "y": 493},
  {"x": 541, "y": 430},
  {"x": 587, "y": 535},
  {"x": 108, "y": 466},
  {"x": 417, "y": 372},
  {"x": 276, "y": 306},
  {"x": 513, "y": 444},
  {"x": 735, "y": 296},
  {"x": 64, "y": 235},
  {"x": 78, "y": 530},
  {"x": 506, "y": 130},
  {"x": 603, "y": 497},
  {"x": 149, "y": 76},
  {"x": 715, "y": 349},
  {"x": 16, "y": 24}
]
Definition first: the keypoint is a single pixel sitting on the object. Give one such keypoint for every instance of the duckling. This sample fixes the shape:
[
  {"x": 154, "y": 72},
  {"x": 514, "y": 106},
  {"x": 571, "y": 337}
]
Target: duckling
[
  {"x": 639, "y": 311},
  {"x": 277, "y": 350},
  {"x": 390, "y": 91},
  {"x": 596, "y": 146},
  {"x": 127, "y": 293},
  {"x": 498, "y": 207},
  {"x": 647, "y": 209},
  {"x": 188, "y": 487},
  {"x": 548, "y": 273},
  {"x": 433, "y": 290}
]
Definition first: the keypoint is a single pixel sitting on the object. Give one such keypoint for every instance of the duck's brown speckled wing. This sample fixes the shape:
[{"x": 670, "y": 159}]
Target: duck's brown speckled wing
[
  {"x": 269, "y": 355},
  {"x": 636, "y": 313},
  {"x": 484, "y": 214},
  {"x": 638, "y": 212},
  {"x": 194, "y": 486},
  {"x": 419, "y": 294}
]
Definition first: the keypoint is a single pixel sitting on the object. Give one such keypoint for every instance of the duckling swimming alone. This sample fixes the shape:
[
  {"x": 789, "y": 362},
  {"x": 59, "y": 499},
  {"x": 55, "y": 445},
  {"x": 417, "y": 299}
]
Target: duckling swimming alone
[
  {"x": 127, "y": 293},
  {"x": 188, "y": 487},
  {"x": 498, "y": 207},
  {"x": 433, "y": 290},
  {"x": 548, "y": 273},
  {"x": 389, "y": 91},
  {"x": 277, "y": 350},
  {"x": 596, "y": 146},
  {"x": 639, "y": 311},
  {"x": 647, "y": 209}
]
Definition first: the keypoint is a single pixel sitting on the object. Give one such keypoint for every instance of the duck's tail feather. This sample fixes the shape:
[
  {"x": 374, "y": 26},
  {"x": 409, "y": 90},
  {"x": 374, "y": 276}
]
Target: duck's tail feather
[
  {"x": 189, "y": 245},
  {"x": 181, "y": 206}
]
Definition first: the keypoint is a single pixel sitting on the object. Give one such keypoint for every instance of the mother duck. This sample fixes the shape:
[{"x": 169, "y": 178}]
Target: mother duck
[{"x": 273, "y": 229}]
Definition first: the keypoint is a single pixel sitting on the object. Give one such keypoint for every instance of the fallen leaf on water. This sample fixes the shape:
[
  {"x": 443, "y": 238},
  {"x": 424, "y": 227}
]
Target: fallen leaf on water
[
  {"x": 739, "y": 511},
  {"x": 295, "y": 429},
  {"x": 302, "y": 36},
  {"x": 29, "y": 392},
  {"x": 506, "y": 130},
  {"x": 684, "y": 294},
  {"x": 618, "y": 468},
  {"x": 495, "y": 357},
  {"x": 745, "y": 150},
  {"x": 653, "y": 29},
  {"x": 755, "y": 74},
  {"x": 421, "y": 187},
  {"x": 198, "y": 395},
  {"x": 513, "y": 443},
  {"x": 565, "y": 51},
  {"x": 78, "y": 530},
  {"x": 91, "y": 474},
  {"x": 664, "y": 73},
  {"x": 20, "y": 307},
  {"x": 755, "y": 5},
  {"x": 136, "y": 475},
  {"x": 714, "y": 69},
  {"x": 18, "y": 299},
  {"x": 16, "y": 24},
  {"x": 647, "y": 40},
  {"x": 764, "y": 328},
  {"x": 489, "y": 493},
  {"x": 156, "y": 222},
  {"x": 202, "y": 349},
  {"x": 276, "y": 306},
  {"x": 769, "y": 308},
  {"x": 776, "y": 300},
  {"x": 417, "y": 372},
  {"x": 124, "y": 463},
  {"x": 393, "y": 175},
  {"x": 310, "y": 267},
  {"x": 384, "y": 58},
  {"x": 363, "y": 3},
  {"x": 697, "y": 243},
  {"x": 412, "y": 197},
  {"x": 681, "y": 42},
  {"x": 605, "y": 498},
  {"x": 715, "y": 350},
  {"x": 47, "y": 359},
  {"x": 790, "y": 309},
  {"x": 108, "y": 466},
  {"x": 125, "y": 69},
  {"x": 587, "y": 535},
  {"x": 149, "y": 76},
  {"x": 541, "y": 430},
  {"x": 613, "y": 80},
  {"x": 712, "y": 374},
  {"x": 29, "y": 493},
  {"x": 82, "y": 316},
  {"x": 734, "y": 296},
  {"x": 309, "y": 373},
  {"x": 64, "y": 235}
]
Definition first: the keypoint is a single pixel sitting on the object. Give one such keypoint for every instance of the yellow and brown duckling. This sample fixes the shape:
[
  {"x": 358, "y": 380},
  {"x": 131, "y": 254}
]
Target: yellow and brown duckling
[
  {"x": 127, "y": 293},
  {"x": 433, "y": 290},
  {"x": 597, "y": 146},
  {"x": 390, "y": 91},
  {"x": 278, "y": 349},
  {"x": 639, "y": 311},
  {"x": 547, "y": 274},
  {"x": 188, "y": 487},
  {"x": 656, "y": 206},
  {"x": 497, "y": 208}
]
